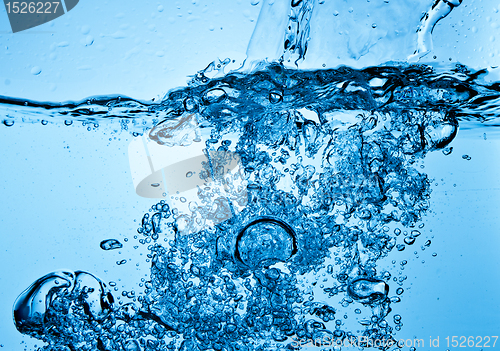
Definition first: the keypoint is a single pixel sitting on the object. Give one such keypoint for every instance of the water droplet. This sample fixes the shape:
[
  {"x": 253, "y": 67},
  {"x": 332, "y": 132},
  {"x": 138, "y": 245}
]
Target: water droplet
[
  {"x": 111, "y": 244},
  {"x": 8, "y": 122},
  {"x": 36, "y": 70},
  {"x": 44, "y": 122},
  {"x": 374, "y": 25},
  {"x": 368, "y": 290}
]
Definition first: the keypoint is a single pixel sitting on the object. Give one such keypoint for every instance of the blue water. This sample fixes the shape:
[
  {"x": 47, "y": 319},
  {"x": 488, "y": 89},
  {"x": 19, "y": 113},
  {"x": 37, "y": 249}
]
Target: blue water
[
  {"x": 332, "y": 193},
  {"x": 335, "y": 208}
]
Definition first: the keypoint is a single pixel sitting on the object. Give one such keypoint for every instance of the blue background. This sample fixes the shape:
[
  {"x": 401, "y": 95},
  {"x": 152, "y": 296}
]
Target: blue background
[{"x": 64, "y": 189}]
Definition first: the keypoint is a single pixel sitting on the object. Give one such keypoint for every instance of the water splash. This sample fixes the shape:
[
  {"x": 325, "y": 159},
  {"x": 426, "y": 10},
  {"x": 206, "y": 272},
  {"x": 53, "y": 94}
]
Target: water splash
[{"x": 331, "y": 160}]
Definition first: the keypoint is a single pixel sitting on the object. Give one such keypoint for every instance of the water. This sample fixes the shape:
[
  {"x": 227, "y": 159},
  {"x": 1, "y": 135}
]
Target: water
[
  {"x": 334, "y": 186},
  {"x": 334, "y": 165}
]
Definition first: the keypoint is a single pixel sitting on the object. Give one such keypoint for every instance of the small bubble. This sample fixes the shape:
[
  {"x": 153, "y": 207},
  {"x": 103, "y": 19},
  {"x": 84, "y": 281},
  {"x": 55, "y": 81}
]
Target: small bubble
[
  {"x": 85, "y": 29},
  {"x": 36, "y": 70},
  {"x": 434, "y": 254},
  {"x": 155, "y": 185},
  {"x": 68, "y": 122},
  {"x": 374, "y": 25},
  {"x": 8, "y": 123},
  {"x": 447, "y": 150},
  {"x": 254, "y": 2},
  {"x": 121, "y": 262},
  {"x": 409, "y": 240},
  {"x": 44, "y": 122},
  {"x": 160, "y": 8},
  {"x": 110, "y": 244},
  {"x": 275, "y": 97},
  {"x": 399, "y": 291},
  {"x": 466, "y": 157},
  {"x": 189, "y": 174}
]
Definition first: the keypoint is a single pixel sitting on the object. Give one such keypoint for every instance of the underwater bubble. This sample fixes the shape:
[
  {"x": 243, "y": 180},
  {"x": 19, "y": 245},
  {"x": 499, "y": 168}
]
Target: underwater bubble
[
  {"x": 438, "y": 135},
  {"x": 399, "y": 291},
  {"x": 190, "y": 104},
  {"x": 121, "y": 262},
  {"x": 36, "y": 309},
  {"x": 36, "y": 70},
  {"x": 368, "y": 290},
  {"x": 132, "y": 345},
  {"x": 110, "y": 244},
  {"x": 265, "y": 241},
  {"x": 214, "y": 96},
  {"x": 466, "y": 157},
  {"x": 275, "y": 97},
  {"x": 97, "y": 299},
  {"x": 8, "y": 122},
  {"x": 409, "y": 240},
  {"x": 30, "y": 307}
]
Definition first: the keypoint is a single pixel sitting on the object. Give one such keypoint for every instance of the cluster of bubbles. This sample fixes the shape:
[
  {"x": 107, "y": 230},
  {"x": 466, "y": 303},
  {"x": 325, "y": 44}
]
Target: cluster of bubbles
[{"x": 330, "y": 159}]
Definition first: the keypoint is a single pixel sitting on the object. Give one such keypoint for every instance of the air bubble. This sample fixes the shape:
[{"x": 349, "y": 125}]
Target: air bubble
[
  {"x": 265, "y": 241},
  {"x": 110, "y": 244},
  {"x": 36, "y": 70},
  {"x": 275, "y": 97},
  {"x": 368, "y": 290}
]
